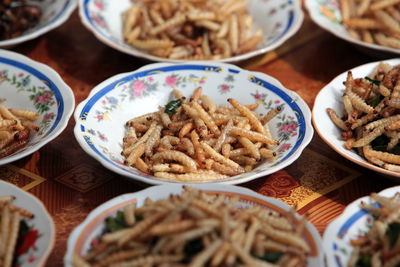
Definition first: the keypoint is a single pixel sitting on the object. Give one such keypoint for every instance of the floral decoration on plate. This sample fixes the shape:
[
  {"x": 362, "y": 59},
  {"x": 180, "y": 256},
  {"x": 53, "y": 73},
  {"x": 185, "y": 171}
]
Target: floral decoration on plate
[
  {"x": 100, "y": 119},
  {"x": 26, "y": 84}
]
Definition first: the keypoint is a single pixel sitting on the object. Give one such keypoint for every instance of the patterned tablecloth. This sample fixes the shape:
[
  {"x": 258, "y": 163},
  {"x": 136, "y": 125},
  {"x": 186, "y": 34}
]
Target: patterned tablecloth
[{"x": 70, "y": 183}]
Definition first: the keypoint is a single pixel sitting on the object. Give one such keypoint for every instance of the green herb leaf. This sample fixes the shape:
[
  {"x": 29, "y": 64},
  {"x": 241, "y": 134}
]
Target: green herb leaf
[
  {"x": 115, "y": 223},
  {"x": 171, "y": 107},
  {"x": 364, "y": 261},
  {"x": 376, "y": 82},
  {"x": 374, "y": 101},
  {"x": 191, "y": 249},
  {"x": 271, "y": 256},
  {"x": 394, "y": 232},
  {"x": 380, "y": 143},
  {"x": 138, "y": 217}
]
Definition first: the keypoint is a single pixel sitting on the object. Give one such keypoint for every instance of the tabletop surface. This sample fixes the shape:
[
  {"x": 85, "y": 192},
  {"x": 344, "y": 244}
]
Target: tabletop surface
[{"x": 70, "y": 183}]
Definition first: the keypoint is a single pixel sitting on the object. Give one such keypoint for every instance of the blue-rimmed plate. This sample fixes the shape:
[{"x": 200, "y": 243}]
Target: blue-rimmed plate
[
  {"x": 54, "y": 13},
  {"x": 278, "y": 19},
  {"x": 100, "y": 119},
  {"x": 30, "y": 85},
  {"x": 349, "y": 225}
]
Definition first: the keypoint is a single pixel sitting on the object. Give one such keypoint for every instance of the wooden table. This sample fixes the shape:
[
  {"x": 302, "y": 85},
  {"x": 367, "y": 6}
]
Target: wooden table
[{"x": 71, "y": 183}]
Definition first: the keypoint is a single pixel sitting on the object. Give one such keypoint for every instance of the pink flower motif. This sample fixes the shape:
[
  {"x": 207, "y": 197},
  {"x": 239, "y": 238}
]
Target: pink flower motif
[
  {"x": 99, "y": 21},
  {"x": 288, "y": 128},
  {"x": 258, "y": 96},
  {"x": 138, "y": 87},
  {"x": 103, "y": 101},
  {"x": 202, "y": 81},
  {"x": 284, "y": 147},
  {"x": 293, "y": 134},
  {"x": 224, "y": 87},
  {"x": 99, "y": 117},
  {"x": 21, "y": 74},
  {"x": 272, "y": 11},
  {"x": 43, "y": 99},
  {"x": 102, "y": 137},
  {"x": 48, "y": 116},
  {"x": 150, "y": 79},
  {"x": 277, "y": 101},
  {"x": 99, "y": 5},
  {"x": 171, "y": 80}
]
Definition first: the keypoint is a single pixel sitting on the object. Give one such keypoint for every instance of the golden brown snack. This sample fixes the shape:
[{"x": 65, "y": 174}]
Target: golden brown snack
[
  {"x": 199, "y": 229},
  {"x": 370, "y": 120},
  {"x": 15, "y": 129},
  {"x": 187, "y": 141},
  {"x": 191, "y": 30},
  {"x": 373, "y": 21}
]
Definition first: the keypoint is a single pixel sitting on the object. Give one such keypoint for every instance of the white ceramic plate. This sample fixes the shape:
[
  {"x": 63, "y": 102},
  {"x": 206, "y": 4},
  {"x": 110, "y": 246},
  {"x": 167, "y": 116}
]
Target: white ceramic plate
[
  {"x": 326, "y": 14},
  {"x": 279, "y": 20},
  {"x": 331, "y": 97},
  {"x": 42, "y": 222},
  {"x": 54, "y": 13},
  {"x": 101, "y": 117},
  {"x": 27, "y": 84},
  {"x": 349, "y": 225},
  {"x": 79, "y": 240}
]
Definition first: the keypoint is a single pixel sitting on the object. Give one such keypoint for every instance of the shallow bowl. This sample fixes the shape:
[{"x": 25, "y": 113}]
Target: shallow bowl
[
  {"x": 80, "y": 239},
  {"x": 279, "y": 20},
  {"x": 42, "y": 224},
  {"x": 100, "y": 119},
  {"x": 30, "y": 85},
  {"x": 352, "y": 223},
  {"x": 54, "y": 13},
  {"x": 327, "y": 15},
  {"x": 331, "y": 97}
]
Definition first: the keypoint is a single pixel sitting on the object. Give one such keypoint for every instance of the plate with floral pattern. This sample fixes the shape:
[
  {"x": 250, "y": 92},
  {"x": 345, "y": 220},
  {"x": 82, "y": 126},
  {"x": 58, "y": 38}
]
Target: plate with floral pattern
[
  {"x": 37, "y": 235},
  {"x": 100, "y": 119},
  {"x": 353, "y": 223},
  {"x": 83, "y": 235},
  {"x": 30, "y": 85},
  {"x": 327, "y": 15},
  {"x": 278, "y": 19}
]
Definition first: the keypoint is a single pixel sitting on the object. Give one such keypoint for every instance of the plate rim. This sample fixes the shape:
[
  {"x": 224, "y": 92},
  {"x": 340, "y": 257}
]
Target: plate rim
[
  {"x": 309, "y": 131},
  {"x": 39, "y": 203},
  {"x": 67, "y": 95},
  {"x": 326, "y": 139},
  {"x": 297, "y": 22}
]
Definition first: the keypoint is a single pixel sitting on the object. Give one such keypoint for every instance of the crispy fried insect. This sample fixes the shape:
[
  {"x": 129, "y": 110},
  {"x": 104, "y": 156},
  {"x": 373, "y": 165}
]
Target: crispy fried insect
[{"x": 188, "y": 144}]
